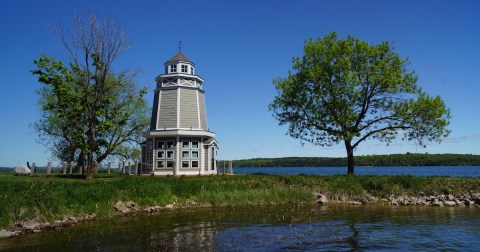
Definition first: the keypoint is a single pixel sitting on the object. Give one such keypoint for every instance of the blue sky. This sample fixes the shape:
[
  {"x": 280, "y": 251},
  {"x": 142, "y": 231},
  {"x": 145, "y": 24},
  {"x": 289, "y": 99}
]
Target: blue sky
[{"x": 238, "y": 48}]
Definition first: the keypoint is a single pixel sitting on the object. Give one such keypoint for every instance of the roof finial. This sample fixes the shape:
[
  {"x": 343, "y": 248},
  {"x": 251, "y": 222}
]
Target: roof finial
[{"x": 179, "y": 46}]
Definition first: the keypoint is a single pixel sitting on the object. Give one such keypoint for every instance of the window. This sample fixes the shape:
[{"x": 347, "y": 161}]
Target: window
[
  {"x": 185, "y": 154},
  {"x": 173, "y": 68},
  {"x": 194, "y": 154},
  {"x": 194, "y": 145},
  {"x": 161, "y": 154},
  {"x": 194, "y": 164},
  {"x": 186, "y": 145},
  {"x": 170, "y": 145},
  {"x": 185, "y": 164},
  {"x": 170, "y": 154},
  {"x": 160, "y": 164},
  {"x": 149, "y": 155},
  {"x": 149, "y": 146},
  {"x": 191, "y": 69},
  {"x": 160, "y": 145},
  {"x": 169, "y": 164},
  {"x": 184, "y": 68}
]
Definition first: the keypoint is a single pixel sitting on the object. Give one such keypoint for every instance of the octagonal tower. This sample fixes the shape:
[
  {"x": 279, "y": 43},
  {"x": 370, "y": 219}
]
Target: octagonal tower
[{"x": 179, "y": 141}]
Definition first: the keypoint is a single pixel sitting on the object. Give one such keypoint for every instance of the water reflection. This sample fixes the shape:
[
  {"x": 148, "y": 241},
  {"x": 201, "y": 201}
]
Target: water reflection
[{"x": 319, "y": 228}]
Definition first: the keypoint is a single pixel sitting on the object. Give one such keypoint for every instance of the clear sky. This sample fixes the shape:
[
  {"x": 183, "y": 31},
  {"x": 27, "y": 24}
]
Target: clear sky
[{"x": 238, "y": 48}]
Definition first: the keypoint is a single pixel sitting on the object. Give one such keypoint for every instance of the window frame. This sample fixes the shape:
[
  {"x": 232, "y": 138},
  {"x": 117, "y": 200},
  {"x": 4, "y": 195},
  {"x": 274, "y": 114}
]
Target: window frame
[
  {"x": 196, "y": 144},
  {"x": 160, "y": 143},
  {"x": 163, "y": 164},
  {"x": 183, "y": 68},
  {"x": 196, "y": 152},
  {"x": 173, "y": 68},
  {"x": 195, "y": 162},
  {"x": 185, "y": 162}
]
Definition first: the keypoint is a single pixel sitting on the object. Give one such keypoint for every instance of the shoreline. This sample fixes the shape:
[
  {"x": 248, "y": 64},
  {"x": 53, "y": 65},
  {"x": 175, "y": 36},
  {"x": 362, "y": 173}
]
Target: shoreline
[
  {"x": 130, "y": 208},
  {"x": 40, "y": 203}
]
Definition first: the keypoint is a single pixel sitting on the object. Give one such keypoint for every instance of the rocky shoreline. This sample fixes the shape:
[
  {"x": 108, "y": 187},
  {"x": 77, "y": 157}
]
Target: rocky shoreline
[
  {"x": 449, "y": 200},
  {"x": 131, "y": 208}
]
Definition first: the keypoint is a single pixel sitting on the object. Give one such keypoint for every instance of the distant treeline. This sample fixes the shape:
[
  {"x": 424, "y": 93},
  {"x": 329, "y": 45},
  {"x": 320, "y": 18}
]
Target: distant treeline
[{"x": 408, "y": 159}]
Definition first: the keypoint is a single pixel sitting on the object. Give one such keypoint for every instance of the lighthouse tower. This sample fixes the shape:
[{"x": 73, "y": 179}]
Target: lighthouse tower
[{"x": 179, "y": 141}]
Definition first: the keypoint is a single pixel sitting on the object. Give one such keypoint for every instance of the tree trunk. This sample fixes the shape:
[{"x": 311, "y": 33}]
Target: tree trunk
[
  {"x": 89, "y": 172},
  {"x": 350, "y": 161}
]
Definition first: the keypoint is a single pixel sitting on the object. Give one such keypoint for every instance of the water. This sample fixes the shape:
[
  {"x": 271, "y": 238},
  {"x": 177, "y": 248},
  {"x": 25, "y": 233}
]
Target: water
[
  {"x": 451, "y": 171},
  {"x": 273, "y": 228}
]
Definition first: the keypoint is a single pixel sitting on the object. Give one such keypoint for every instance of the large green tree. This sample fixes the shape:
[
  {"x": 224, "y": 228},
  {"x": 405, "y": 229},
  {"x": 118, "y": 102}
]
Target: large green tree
[
  {"x": 87, "y": 108},
  {"x": 348, "y": 90}
]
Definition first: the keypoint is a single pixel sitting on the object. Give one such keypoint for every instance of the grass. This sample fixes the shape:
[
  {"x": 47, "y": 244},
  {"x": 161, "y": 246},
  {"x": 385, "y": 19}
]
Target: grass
[{"x": 50, "y": 198}]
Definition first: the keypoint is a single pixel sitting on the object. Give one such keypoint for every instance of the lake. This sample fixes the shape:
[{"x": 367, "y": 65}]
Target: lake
[
  {"x": 451, "y": 171},
  {"x": 270, "y": 228}
]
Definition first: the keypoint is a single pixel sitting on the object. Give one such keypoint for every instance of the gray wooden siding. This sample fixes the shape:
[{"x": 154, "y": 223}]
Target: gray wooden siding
[
  {"x": 168, "y": 109},
  {"x": 203, "y": 113},
  {"x": 205, "y": 158},
  {"x": 188, "y": 108}
]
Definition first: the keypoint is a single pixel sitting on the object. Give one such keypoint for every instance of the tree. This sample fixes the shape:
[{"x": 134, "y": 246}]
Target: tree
[
  {"x": 348, "y": 90},
  {"x": 88, "y": 109}
]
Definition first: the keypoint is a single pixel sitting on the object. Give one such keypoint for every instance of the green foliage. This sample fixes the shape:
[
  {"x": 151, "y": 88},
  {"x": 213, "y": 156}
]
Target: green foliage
[
  {"x": 346, "y": 90},
  {"x": 87, "y": 108}
]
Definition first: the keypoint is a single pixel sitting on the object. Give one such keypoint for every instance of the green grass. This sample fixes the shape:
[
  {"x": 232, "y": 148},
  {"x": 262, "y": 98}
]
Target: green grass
[{"x": 50, "y": 198}]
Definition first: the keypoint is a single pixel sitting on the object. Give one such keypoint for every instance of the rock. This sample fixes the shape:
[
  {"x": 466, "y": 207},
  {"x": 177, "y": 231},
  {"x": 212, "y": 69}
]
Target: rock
[
  {"x": 5, "y": 233},
  {"x": 120, "y": 206},
  {"x": 449, "y": 203},
  {"x": 458, "y": 202},
  {"x": 169, "y": 206},
  {"x": 450, "y": 197},
  {"x": 322, "y": 199},
  {"x": 437, "y": 203},
  {"x": 131, "y": 204},
  {"x": 422, "y": 201},
  {"x": 22, "y": 170},
  {"x": 355, "y": 203},
  {"x": 31, "y": 224}
]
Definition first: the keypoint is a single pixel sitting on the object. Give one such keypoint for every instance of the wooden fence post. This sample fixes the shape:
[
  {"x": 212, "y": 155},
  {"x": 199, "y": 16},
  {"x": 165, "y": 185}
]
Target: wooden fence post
[
  {"x": 64, "y": 167},
  {"x": 230, "y": 168},
  {"x": 109, "y": 166},
  {"x": 71, "y": 167},
  {"x": 33, "y": 168}
]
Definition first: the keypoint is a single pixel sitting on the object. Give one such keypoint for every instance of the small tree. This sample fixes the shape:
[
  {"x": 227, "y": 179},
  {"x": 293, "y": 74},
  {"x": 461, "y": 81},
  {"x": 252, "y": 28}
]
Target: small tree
[
  {"x": 348, "y": 90},
  {"x": 88, "y": 109}
]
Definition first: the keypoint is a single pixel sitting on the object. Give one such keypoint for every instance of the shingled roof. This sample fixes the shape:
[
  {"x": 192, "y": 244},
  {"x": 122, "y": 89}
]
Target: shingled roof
[{"x": 179, "y": 57}]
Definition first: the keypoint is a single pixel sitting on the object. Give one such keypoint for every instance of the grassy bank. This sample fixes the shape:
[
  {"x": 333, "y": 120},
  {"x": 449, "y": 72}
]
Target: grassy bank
[{"x": 51, "y": 198}]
